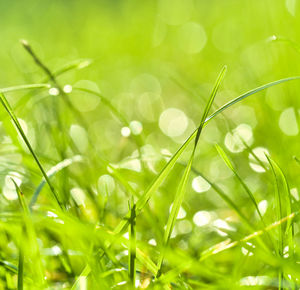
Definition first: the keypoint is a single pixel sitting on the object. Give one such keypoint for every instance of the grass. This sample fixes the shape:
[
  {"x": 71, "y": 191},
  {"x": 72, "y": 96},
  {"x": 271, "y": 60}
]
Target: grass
[{"x": 105, "y": 186}]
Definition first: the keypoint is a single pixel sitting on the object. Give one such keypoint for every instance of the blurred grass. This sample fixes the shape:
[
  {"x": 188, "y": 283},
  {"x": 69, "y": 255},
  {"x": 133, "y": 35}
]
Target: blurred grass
[{"x": 129, "y": 80}]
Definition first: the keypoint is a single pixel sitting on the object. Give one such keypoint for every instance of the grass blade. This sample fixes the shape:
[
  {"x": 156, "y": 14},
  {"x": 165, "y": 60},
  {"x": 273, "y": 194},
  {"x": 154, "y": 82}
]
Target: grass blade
[
  {"x": 249, "y": 93},
  {"x": 228, "y": 244},
  {"x": 290, "y": 42},
  {"x": 20, "y": 269},
  {"x": 75, "y": 64},
  {"x": 107, "y": 103},
  {"x": 209, "y": 103},
  {"x": 55, "y": 169},
  {"x": 132, "y": 245},
  {"x": 182, "y": 185},
  {"x": 28, "y": 234},
  {"x": 12, "y": 115},
  {"x": 21, "y": 250},
  {"x": 244, "y": 185},
  {"x": 168, "y": 167},
  {"x": 24, "y": 87},
  {"x": 283, "y": 208}
]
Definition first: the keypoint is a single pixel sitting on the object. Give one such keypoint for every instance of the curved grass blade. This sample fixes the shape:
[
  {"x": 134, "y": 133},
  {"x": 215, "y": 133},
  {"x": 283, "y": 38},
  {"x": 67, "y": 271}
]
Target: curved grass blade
[
  {"x": 12, "y": 115},
  {"x": 278, "y": 206},
  {"x": 24, "y": 87},
  {"x": 244, "y": 185},
  {"x": 249, "y": 93},
  {"x": 168, "y": 167},
  {"x": 27, "y": 230},
  {"x": 289, "y": 232},
  {"x": 297, "y": 160},
  {"x": 75, "y": 64},
  {"x": 290, "y": 42},
  {"x": 182, "y": 185},
  {"x": 228, "y": 244},
  {"x": 227, "y": 199},
  {"x": 132, "y": 244},
  {"x": 9, "y": 266},
  {"x": 209, "y": 104},
  {"x": 251, "y": 152},
  {"x": 86, "y": 271},
  {"x": 283, "y": 208},
  {"x": 55, "y": 169},
  {"x": 105, "y": 101}
]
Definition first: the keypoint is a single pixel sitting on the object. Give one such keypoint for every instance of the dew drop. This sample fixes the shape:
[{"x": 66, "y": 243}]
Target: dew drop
[
  {"x": 199, "y": 184},
  {"x": 125, "y": 131}
]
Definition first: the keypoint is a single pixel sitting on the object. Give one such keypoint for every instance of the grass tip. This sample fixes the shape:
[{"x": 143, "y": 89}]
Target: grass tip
[{"x": 24, "y": 42}]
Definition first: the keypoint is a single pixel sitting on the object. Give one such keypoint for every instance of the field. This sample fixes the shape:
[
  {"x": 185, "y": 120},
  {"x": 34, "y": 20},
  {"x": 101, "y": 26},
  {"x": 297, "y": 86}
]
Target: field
[{"x": 149, "y": 144}]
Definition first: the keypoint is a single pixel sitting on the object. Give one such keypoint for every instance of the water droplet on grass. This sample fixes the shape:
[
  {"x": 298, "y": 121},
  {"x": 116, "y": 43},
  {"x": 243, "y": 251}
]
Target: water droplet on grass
[
  {"x": 125, "y": 132},
  {"x": 67, "y": 89},
  {"x": 202, "y": 218},
  {"x": 54, "y": 91},
  {"x": 136, "y": 127},
  {"x": 199, "y": 184},
  {"x": 152, "y": 242}
]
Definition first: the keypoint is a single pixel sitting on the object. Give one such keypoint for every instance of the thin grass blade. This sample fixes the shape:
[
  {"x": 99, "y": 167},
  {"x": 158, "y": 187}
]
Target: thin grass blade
[
  {"x": 167, "y": 168},
  {"x": 178, "y": 199},
  {"x": 132, "y": 245},
  {"x": 52, "y": 172},
  {"x": 11, "y": 113},
  {"x": 24, "y": 87},
  {"x": 244, "y": 185}
]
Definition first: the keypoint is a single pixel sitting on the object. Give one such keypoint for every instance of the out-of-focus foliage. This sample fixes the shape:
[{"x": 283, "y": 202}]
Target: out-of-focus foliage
[{"x": 128, "y": 82}]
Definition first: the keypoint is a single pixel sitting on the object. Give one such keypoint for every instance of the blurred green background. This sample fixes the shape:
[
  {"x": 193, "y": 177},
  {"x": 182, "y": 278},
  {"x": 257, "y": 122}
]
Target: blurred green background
[{"x": 156, "y": 62}]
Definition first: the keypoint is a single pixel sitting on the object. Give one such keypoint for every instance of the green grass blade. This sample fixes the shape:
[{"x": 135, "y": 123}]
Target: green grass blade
[
  {"x": 21, "y": 250},
  {"x": 283, "y": 207},
  {"x": 20, "y": 269},
  {"x": 174, "y": 212},
  {"x": 178, "y": 199},
  {"x": 132, "y": 245},
  {"x": 29, "y": 232},
  {"x": 249, "y": 93},
  {"x": 228, "y": 244},
  {"x": 290, "y": 42},
  {"x": 278, "y": 206},
  {"x": 107, "y": 103},
  {"x": 283, "y": 203},
  {"x": 21, "y": 198},
  {"x": 210, "y": 102},
  {"x": 227, "y": 199},
  {"x": 9, "y": 266},
  {"x": 12, "y": 115},
  {"x": 86, "y": 271},
  {"x": 167, "y": 168},
  {"x": 75, "y": 64},
  {"x": 52, "y": 172},
  {"x": 24, "y": 87},
  {"x": 244, "y": 185}
]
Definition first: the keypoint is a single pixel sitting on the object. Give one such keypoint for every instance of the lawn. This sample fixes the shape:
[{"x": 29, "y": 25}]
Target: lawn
[{"x": 149, "y": 144}]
